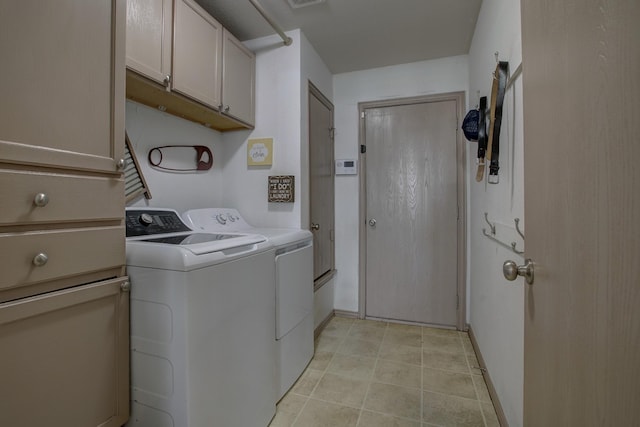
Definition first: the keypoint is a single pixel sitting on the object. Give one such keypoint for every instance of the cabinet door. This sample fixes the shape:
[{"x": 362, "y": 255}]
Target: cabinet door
[
  {"x": 149, "y": 25},
  {"x": 238, "y": 80},
  {"x": 65, "y": 356},
  {"x": 197, "y": 54},
  {"x": 62, "y": 83}
]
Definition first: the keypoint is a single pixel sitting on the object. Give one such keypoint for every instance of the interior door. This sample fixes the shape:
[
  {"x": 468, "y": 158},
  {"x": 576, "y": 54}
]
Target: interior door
[
  {"x": 582, "y": 205},
  {"x": 411, "y": 212},
  {"x": 322, "y": 189}
]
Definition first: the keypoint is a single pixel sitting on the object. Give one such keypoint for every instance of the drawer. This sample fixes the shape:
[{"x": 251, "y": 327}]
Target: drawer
[
  {"x": 68, "y": 197},
  {"x": 68, "y": 252}
]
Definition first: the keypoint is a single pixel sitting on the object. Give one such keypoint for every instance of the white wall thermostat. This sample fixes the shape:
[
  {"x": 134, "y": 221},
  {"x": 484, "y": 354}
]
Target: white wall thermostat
[{"x": 346, "y": 167}]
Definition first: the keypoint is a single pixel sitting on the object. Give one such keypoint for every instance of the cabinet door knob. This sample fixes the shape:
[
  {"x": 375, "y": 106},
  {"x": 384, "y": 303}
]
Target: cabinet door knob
[
  {"x": 40, "y": 259},
  {"x": 226, "y": 108},
  {"x": 41, "y": 200},
  {"x": 125, "y": 286},
  {"x": 315, "y": 226},
  {"x": 167, "y": 80},
  {"x": 121, "y": 163}
]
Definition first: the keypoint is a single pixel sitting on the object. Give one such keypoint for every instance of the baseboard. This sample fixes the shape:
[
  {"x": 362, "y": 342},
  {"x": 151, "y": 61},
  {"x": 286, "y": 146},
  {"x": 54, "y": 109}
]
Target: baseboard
[
  {"x": 321, "y": 326},
  {"x": 331, "y": 315},
  {"x": 487, "y": 378},
  {"x": 345, "y": 313}
]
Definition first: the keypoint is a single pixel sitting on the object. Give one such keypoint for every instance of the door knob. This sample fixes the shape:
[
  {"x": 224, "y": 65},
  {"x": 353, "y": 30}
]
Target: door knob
[
  {"x": 511, "y": 270},
  {"x": 372, "y": 222},
  {"x": 315, "y": 226}
]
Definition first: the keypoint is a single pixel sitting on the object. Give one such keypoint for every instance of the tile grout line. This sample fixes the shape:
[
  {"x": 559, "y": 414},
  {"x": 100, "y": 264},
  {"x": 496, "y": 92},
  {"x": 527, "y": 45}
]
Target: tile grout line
[
  {"x": 466, "y": 356},
  {"x": 375, "y": 366},
  {"x": 324, "y": 371}
]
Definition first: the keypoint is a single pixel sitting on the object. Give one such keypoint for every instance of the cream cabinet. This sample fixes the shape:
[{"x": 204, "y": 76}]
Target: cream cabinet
[
  {"x": 65, "y": 357},
  {"x": 59, "y": 79},
  {"x": 197, "y": 54},
  {"x": 210, "y": 78},
  {"x": 63, "y": 290},
  {"x": 238, "y": 80},
  {"x": 149, "y": 38}
]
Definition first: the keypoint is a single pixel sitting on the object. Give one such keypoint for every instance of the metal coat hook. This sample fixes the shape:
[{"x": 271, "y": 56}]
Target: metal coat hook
[
  {"x": 517, "y": 221},
  {"x": 477, "y": 99},
  {"x": 493, "y": 73},
  {"x": 492, "y": 226},
  {"x": 500, "y": 242}
]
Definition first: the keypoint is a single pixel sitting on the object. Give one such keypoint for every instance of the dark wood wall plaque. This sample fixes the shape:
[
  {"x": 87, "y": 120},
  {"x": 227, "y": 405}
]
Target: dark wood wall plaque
[{"x": 281, "y": 188}]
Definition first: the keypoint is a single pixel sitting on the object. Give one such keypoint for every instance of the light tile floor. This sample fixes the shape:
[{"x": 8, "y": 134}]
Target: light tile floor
[{"x": 371, "y": 374}]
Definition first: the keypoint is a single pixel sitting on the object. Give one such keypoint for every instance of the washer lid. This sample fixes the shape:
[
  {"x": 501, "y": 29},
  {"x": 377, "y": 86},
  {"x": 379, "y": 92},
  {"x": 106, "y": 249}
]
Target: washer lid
[{"x": 203, "y": 243}]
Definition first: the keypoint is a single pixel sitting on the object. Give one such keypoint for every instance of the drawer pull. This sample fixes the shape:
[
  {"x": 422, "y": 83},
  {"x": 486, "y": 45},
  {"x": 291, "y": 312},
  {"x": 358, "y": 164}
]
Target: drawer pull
[
  {"x": 41, "y": 200},
  {"x": 40, "y": 259}
]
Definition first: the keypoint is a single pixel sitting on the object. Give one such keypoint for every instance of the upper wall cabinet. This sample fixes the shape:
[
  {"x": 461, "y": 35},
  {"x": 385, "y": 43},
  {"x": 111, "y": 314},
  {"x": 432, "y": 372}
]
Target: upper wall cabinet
[
  {"x": 197, "y": 54},
  {"x": 211, "y": 77},
  {"x": 62, "y": 84},
  {"x": 149, "y": 24},
  {"x": 238, "y": 79}
]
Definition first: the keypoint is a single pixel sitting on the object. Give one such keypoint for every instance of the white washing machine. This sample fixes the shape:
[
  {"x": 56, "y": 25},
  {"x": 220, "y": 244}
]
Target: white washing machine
[
  {"x": 202, "y": 306},
  {"x": 294, "y": 286}
]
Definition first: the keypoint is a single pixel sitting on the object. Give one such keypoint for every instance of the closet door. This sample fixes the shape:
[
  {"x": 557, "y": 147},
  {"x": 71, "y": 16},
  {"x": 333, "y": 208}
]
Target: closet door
[{"x": 582, "y": 206}]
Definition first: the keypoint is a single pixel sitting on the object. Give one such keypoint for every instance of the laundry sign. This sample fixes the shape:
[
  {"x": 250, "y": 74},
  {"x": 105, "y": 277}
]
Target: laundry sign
[
  {"x": 281, "y": 189},
  {"x": 260, "y": 152}
]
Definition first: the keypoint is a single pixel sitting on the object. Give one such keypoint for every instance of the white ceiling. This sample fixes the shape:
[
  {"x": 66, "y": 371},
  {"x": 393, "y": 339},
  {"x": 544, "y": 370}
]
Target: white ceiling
[{"x": 353, "y": 35}]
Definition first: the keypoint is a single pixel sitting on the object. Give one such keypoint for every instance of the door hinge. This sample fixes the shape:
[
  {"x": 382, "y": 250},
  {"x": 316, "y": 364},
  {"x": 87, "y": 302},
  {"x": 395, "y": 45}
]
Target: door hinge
[
  {"x": 332, "y": 132},
  {"x": 362, "y": 114},
  {"x": 457, "y": 302},
  {"x": 363, "y": 148}
]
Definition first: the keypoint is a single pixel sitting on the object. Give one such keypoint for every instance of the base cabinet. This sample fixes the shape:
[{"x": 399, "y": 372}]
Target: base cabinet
[{"x": 64, "y": 357}]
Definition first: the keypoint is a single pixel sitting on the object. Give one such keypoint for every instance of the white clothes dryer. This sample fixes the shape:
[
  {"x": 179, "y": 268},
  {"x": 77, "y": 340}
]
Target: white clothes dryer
[
  {"x": 294, "y": 286},
  {"x": 202, "y": 306}
]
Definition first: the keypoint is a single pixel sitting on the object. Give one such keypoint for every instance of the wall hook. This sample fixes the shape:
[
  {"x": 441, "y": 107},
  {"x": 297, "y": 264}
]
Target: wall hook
[
  {"x": 517, "y": 221},
  {"x": 493, "y": 227},
  {"x": 497, "y": 55},
  {"x": 501, "y": 243}
]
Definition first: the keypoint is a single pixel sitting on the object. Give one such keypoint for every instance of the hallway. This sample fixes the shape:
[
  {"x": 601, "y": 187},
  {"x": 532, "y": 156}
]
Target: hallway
[{"x": 370, "y": 373}]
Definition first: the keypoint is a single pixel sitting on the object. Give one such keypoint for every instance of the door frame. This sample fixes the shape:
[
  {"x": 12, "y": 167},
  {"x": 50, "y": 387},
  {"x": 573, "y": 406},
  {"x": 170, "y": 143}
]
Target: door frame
[
  {"x": 459, "y": 98},
  {"x": 316, "y": 93}
]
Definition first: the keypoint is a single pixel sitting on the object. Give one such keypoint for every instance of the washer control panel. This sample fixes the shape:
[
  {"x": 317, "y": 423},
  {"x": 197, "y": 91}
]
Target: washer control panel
[
  {"x": 215, "y": 219},
  {"x": 145, "y": 222}
]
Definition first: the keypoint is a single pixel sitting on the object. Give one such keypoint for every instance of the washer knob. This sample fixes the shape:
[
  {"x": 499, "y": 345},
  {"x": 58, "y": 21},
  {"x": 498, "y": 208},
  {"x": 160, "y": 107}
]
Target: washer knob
[
  {"x": 222, "y": 218},
  {"x": 146, "y": 219}
]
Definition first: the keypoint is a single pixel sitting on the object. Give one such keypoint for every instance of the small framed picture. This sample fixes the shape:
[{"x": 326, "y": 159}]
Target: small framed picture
[{"x": 260, "y": 152}]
